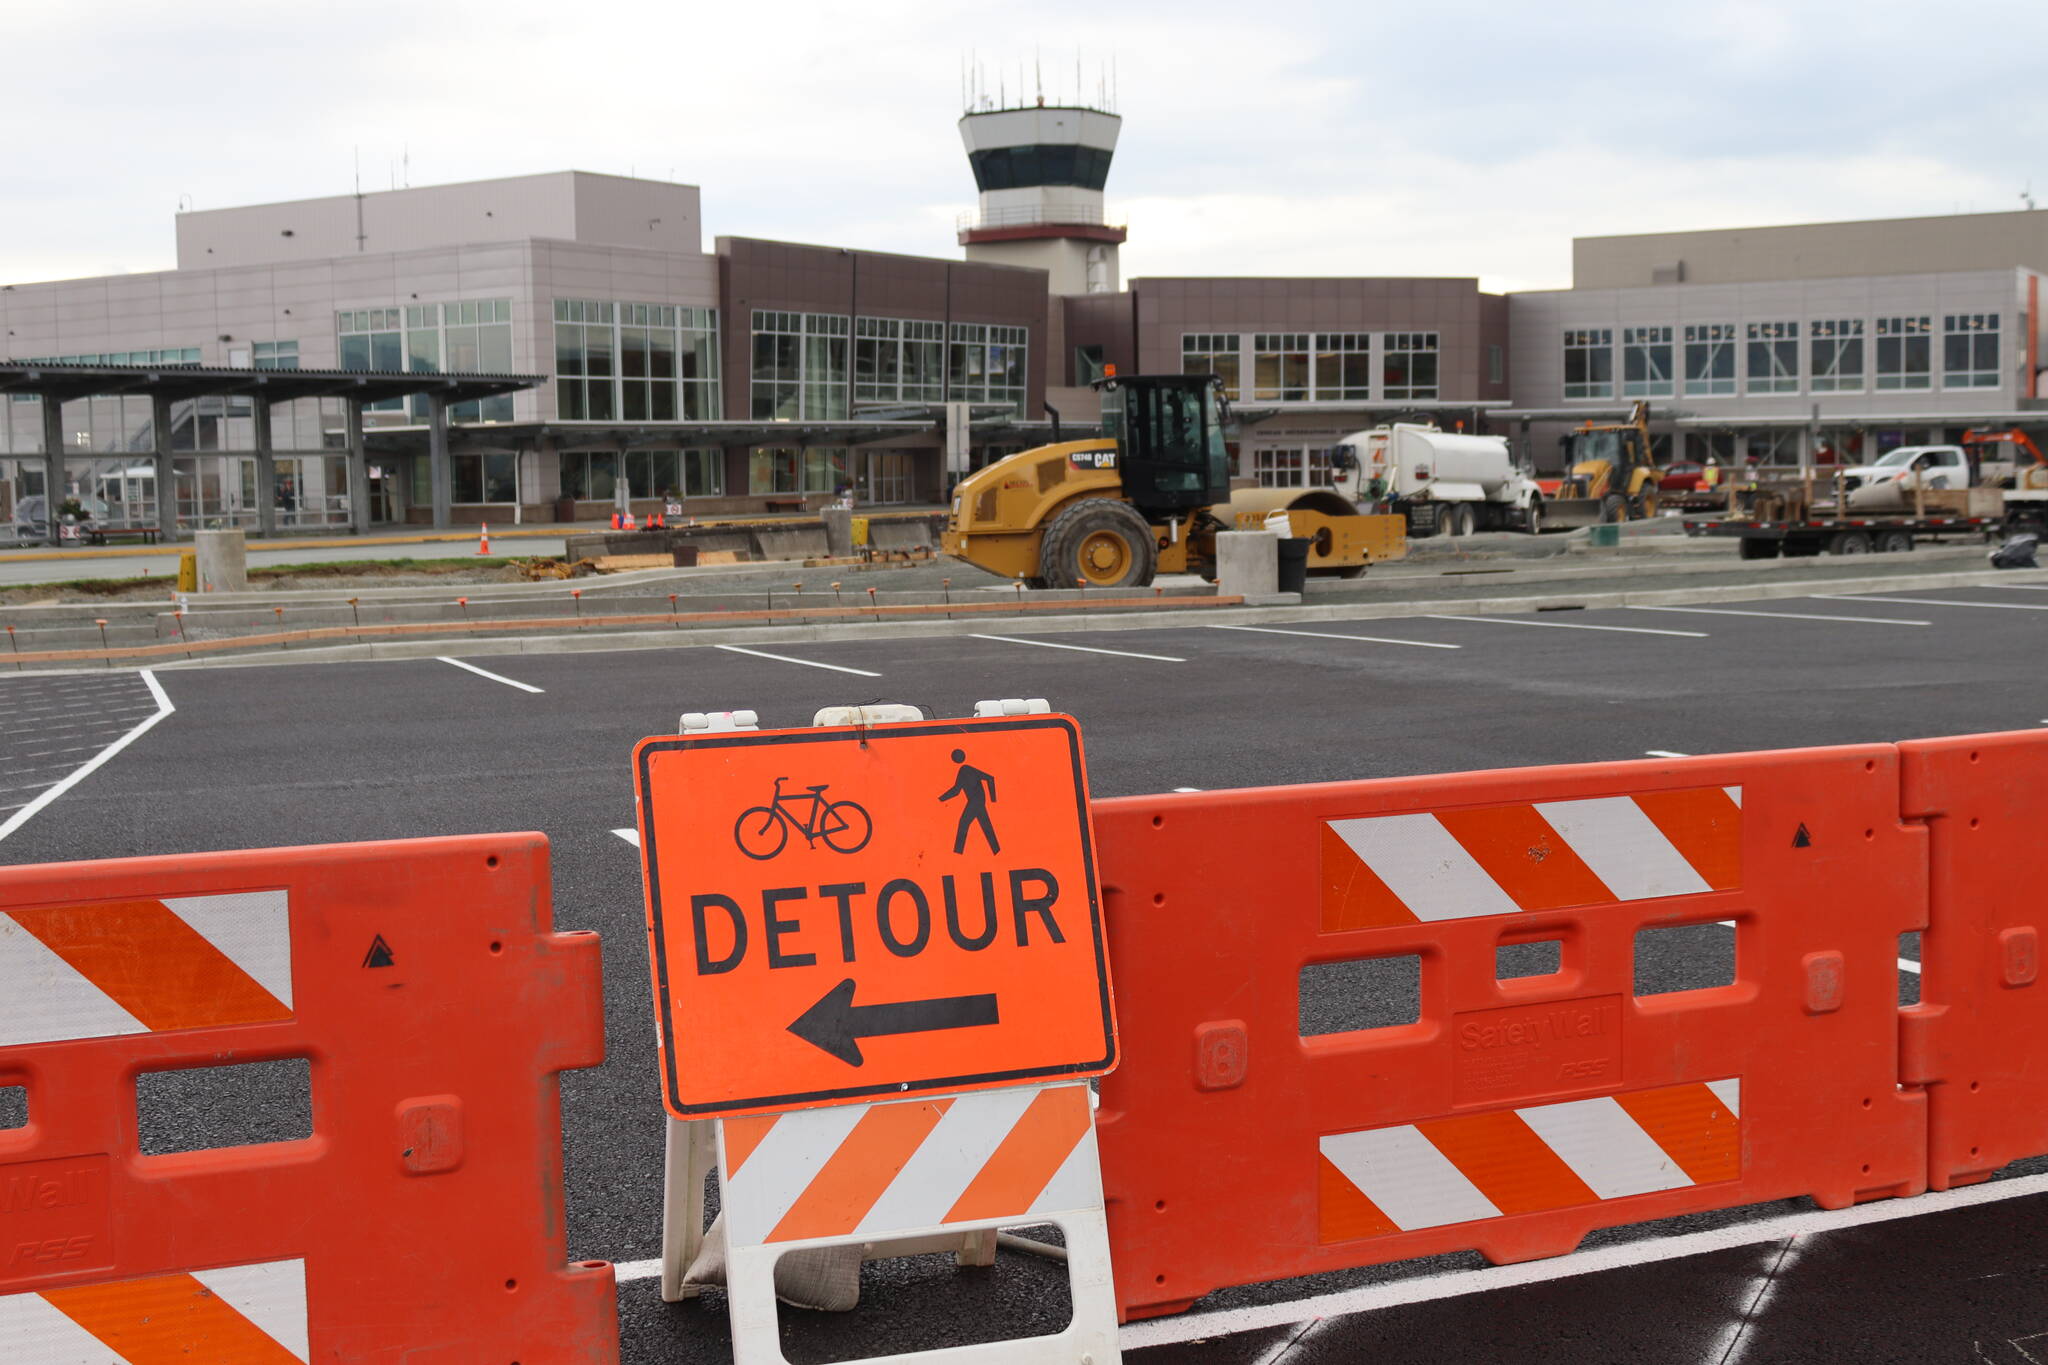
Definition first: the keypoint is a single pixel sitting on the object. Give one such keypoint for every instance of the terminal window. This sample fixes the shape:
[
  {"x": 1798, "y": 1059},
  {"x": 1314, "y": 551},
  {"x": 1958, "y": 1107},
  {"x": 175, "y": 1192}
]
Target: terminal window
[
  {"x": 1589, "y": 362},
  {"x": 1280, "y": 366},
  {"x": 1774, "y": 357},
  {"x": 1211, "y": 353},
  {"x": 1409, "y": 365},
  {"x": 1969, "y": 351},
  {"x": 899, "y": 360},
  {"x": 1837, "y": 351},
  {"x": 1343, "y": 366},
  {"x": 986, "y": 363},
  {"x": 1646, "y": 362},
  {"x": 1292, "y": 467},
  {"x": 1709, "y": 358},
  {"x": 1905, "y": 357},
  {"x": 800, "y": 366}
]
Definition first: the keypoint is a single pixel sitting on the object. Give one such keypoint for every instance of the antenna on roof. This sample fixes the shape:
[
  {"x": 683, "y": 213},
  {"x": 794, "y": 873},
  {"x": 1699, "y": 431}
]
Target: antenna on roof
[
  {"x": 2027, "y": 195},
  {"x": 361, "y": 236}
]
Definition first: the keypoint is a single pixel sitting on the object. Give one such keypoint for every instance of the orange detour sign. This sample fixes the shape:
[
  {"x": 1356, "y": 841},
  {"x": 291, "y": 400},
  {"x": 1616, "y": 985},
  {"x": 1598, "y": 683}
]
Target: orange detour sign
[{"x": 836, "y": 914}]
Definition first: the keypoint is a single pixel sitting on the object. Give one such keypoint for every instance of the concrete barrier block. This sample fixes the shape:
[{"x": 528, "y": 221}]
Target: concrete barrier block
[
  {"x": 900, "y": 535},
  {"x": 806, "y": 542},
  {"x": 1247, "y": 563},
  {"x": 223, "y": 560},
  {"x": 838, "y": 531}
]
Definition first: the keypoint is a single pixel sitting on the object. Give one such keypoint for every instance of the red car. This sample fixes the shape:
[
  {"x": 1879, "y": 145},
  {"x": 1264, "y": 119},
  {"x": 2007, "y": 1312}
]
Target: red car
[{"x": 1682, "y": 477}]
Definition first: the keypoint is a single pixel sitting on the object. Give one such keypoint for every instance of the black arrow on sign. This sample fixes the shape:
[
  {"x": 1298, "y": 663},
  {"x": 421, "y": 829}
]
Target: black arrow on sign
[{"x": 836, "y": 1025}]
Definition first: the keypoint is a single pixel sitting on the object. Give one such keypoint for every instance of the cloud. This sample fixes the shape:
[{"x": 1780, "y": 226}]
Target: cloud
[{"x": 1459, "y": 138}]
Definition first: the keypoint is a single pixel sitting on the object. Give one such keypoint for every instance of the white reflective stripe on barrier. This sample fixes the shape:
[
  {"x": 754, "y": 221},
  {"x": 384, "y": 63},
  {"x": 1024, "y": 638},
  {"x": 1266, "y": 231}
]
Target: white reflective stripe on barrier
[{"x": 248, "y": 1314}]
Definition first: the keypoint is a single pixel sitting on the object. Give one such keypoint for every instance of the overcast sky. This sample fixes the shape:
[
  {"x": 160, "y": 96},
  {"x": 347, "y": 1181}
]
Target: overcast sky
[{"x": 1436, "y": 138}]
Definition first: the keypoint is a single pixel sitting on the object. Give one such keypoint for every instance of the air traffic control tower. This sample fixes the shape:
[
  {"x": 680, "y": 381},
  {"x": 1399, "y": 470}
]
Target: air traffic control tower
[{"x": 1040, "y": 170}]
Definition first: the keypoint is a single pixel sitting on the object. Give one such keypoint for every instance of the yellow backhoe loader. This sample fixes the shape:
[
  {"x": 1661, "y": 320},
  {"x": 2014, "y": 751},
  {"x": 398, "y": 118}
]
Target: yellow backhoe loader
[
  {"x": 1609, "y": 474},
  {"x": 1147, "y": 496}
]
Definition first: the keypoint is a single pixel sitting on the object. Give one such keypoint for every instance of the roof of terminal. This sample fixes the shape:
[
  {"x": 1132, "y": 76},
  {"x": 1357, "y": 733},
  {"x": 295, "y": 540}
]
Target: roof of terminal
[{"x": 66, "y": 382}]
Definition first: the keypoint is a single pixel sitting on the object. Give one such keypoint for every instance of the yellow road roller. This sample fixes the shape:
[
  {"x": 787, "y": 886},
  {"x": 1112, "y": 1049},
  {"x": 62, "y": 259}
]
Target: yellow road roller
[{"x": 1145, "y": 497}]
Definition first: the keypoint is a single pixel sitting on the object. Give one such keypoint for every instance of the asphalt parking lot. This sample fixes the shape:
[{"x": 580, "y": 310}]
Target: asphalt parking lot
[{"x": 317, "y": 753}]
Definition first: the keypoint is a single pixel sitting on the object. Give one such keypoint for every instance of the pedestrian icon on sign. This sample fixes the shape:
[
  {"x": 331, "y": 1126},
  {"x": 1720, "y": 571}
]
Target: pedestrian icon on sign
[{"x": 977, "y": 789}]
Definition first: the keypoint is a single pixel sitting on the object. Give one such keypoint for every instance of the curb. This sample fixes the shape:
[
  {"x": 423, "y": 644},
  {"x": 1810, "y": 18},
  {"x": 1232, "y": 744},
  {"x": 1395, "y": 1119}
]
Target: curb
[{"x": 1071, "y": 624}]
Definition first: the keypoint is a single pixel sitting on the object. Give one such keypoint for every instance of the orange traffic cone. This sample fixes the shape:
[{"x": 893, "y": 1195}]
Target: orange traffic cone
[{"x": 483, "y": 541}]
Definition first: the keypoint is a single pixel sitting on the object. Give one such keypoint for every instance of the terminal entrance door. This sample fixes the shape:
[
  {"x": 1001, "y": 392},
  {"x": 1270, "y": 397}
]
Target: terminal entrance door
[{"x": 887, "y": 479}]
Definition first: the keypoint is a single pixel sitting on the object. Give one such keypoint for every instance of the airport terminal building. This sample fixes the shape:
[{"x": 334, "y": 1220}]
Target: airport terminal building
[{"x": 761, "y": 376}]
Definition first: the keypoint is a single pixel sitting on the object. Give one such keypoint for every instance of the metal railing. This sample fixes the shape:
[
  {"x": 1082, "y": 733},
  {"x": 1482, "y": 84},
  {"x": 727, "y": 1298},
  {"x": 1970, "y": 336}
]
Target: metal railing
[{"x": 1031, "y": 215}]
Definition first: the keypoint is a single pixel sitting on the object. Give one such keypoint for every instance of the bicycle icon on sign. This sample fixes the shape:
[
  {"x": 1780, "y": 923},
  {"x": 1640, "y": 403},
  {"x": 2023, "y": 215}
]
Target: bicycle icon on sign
[{"x": 761, "y": 832}]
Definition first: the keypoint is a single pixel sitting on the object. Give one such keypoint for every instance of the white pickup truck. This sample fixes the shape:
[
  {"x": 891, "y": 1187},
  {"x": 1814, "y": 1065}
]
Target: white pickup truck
[
  {"x": 1437, "y": 480},
  {"x": 1930, "y": 466}
]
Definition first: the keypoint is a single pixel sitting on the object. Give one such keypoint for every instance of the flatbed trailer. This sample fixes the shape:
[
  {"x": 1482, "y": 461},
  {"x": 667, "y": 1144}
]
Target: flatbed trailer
[
  {"x": 1780, "y": 519},
  {"x": 1843, "y": 535}
]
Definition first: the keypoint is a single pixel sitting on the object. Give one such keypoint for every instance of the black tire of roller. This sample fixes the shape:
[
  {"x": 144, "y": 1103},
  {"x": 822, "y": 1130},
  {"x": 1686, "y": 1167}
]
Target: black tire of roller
[{"x": 1057, "y": 552}]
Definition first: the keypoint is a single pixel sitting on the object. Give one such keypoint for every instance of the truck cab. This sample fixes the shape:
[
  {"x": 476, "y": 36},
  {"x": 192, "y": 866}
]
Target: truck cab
[{"x": 1931, "y": 467}]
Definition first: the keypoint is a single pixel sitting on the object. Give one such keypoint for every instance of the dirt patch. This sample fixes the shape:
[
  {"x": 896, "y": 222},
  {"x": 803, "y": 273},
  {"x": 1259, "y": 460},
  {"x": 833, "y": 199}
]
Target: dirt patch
[{"x": 382, "y": 573}]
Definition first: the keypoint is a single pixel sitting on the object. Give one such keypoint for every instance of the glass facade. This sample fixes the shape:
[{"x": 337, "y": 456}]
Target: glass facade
[
  {"x": 1969, "y": 351},
  {"x": 468, "y": 335},
  {"x": 799, "y": 366},
  {"x": 790, "y": 470},
  {"x": 483, "y": 478},
  {"x": 1280, "y": 371},
  {"x": 1709, "y": 358},
  {"x": 1773, "y": 357},
  {"x": 1292, "y": 467},
  {"x": 1837, "y": 353},
  {"x": 1009, "y": 168},
  {"x": 636, "y": 362},
  {"x": 986, "y": 363},
  {"x": 1211, "y": 353},
  {"x": 899, "y": 360},
  {"x": 1343, "y": 368},
  {"x": 1589, "y": 362},
  {"x": 1411, "y": 370},
  {"x": 1905, "y": 356},
  {"x": 1646, "y": 362},
  {"x": 594, "y": 475}
]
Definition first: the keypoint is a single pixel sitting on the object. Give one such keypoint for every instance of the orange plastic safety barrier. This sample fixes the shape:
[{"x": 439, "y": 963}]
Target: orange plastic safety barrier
[
  {"x": 1978, "y": 1039},
  {"x": 420, "y": 1221},
  {"x": 1510, "y": 1116}
]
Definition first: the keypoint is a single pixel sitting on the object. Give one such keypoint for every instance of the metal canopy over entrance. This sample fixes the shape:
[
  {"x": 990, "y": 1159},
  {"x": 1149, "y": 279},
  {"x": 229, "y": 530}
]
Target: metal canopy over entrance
[{"x": 163, "y": 385}]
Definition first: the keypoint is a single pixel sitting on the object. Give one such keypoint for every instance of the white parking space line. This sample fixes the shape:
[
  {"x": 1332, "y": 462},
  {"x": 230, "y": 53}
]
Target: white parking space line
[
  {"x": 1665, "y": 753},
  {"x": 486, "y": 673},
  {"x": 1572, "y": 625},
  {"x": 1332, "y": 635},
  {"x": 631, "y": 836},
  {"x": 1907, "y": 964},
  {"x": 96, "y": 762},
  {"x": 1932, "y": 602},
  {"x": 1650, "y": 1251},
  {"x": 807, "y": 663},
  {"x": 1084, "y": 649},
  {"x": 1187, "y": 789},
  {"x": 1791, "y": 616}
]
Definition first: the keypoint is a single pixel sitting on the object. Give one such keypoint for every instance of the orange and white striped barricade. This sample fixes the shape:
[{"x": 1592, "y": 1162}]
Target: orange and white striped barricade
[
  {"x": 855, "y": 1181},
  {"x": 420, "y": 1219},
  {"x": 1511, "y": 1116},
  {"x": 1978, "y": 1039},
  {"x": 915, "y": 1175}
]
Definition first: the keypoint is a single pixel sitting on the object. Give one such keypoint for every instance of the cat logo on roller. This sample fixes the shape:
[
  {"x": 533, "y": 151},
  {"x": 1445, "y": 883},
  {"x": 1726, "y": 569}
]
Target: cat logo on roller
[{"x": 837, "y": 914}]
